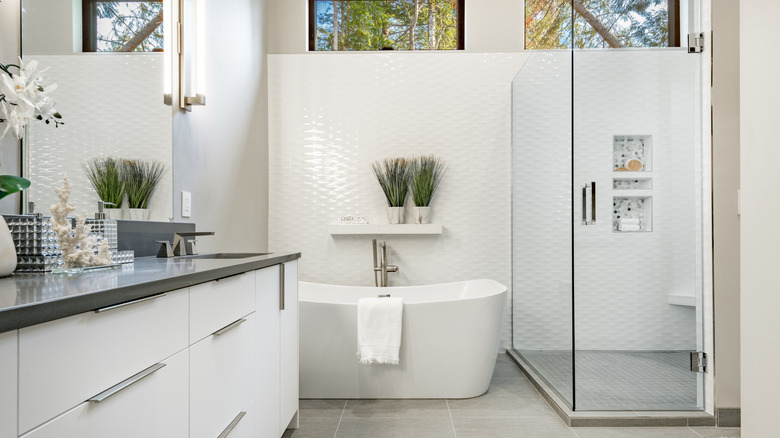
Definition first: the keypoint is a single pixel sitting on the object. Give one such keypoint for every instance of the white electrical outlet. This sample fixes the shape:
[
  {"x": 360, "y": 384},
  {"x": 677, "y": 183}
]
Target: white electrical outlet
[{"x": 186, "y": 204}]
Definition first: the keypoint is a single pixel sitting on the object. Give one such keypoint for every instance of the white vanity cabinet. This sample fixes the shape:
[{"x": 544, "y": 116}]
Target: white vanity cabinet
[
  {"x": 222, "y": 379},
  {"x": 288, "y": 376},
  {"x": 64, "y": 362},
  {"x": 153, "y": 407},
  {"x": 217, "y": 359},
  {"x": 8, "y": 376},
  {"x": 277, "y": 334}
]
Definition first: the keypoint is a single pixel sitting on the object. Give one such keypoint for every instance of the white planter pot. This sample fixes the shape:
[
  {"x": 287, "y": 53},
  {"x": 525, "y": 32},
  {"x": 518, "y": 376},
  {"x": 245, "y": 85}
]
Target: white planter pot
[
  {"x": 7, "y": 250},
  {"x": 395, "y": 215},
  {"x": 422, "y": 215},
  {"x": 114, "y": 213},
  {"x": 139, "y": 214}
]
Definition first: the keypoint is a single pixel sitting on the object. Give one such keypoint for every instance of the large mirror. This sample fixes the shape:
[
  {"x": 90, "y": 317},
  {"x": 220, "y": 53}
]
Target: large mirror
[{"x": 108, "y": 61}]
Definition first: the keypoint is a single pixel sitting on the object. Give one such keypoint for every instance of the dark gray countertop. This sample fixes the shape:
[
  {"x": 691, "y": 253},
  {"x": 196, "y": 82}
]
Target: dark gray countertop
[{"x": 29, "y": 299}]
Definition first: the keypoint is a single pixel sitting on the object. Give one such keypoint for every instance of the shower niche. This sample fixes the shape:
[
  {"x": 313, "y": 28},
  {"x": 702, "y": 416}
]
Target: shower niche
[
  {"x": 632, "y": 153},
  {"x": 632, "y": 214}
]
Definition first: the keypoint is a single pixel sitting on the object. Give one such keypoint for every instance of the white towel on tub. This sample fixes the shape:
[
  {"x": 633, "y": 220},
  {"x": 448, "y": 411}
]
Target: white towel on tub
[{"x": 379, "y": 329}]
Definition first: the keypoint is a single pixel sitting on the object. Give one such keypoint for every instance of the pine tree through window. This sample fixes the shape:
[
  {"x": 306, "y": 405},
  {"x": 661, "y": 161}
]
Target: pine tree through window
[
  {"x": 602, "y": 23},
  {"x": 122, "y": 26},
  {"x": 352, "y": 25}
]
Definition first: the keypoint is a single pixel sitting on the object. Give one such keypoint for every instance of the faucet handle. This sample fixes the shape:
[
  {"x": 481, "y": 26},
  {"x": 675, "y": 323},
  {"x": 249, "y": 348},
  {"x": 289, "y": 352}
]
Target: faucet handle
[{"x": 165, "y": 251}]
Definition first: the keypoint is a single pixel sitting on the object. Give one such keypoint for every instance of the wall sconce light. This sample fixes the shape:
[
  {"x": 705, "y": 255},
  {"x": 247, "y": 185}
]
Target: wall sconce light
[{"x": 192, "y": 53}]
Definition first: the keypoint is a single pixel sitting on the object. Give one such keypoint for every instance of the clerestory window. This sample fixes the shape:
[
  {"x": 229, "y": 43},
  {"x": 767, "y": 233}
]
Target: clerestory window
[
  {"x": 122, "y": 26},
  {"x": 352, "y": 25},
  {"x": 588, "y": 24}
]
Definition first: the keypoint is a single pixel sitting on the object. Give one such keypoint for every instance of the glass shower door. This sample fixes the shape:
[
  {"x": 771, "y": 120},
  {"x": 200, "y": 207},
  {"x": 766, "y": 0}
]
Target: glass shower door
[
  {"x": 542, "y": 218},
  {"x": 638, "y": 229}
]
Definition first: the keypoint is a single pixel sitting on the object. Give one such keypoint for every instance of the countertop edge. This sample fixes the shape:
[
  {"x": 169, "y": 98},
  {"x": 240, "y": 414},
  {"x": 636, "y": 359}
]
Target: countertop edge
[{"x": 22, "y": 316}]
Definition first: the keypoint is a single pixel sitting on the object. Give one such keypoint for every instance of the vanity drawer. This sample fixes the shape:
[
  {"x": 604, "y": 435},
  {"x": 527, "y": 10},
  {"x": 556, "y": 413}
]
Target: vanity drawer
[
  {"x": 222, "y": 378},
  {"x": 215, "y": 304},
  {"x": 8, "y": 363},
  {"x": 153, "y": 407},
  {"x": 62, "y": 363}
]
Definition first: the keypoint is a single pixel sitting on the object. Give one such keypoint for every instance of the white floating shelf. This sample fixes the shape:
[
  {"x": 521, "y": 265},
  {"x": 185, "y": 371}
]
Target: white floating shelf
[
  {"x": 682, "y": 300},
  {"x": 385, "y": 229}
]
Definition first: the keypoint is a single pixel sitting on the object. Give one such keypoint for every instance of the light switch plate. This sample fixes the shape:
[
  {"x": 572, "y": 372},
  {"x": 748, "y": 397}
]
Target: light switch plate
[{"x": 186, "y": 204}]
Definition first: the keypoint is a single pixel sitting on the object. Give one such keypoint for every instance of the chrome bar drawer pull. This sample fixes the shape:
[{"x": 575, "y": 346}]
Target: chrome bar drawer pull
[
  {"x": 125, "y": 383},
  {"x": 232, "y": 425},
  {"x": 116, "y": 306},
  {"x": 281, "y": 286},
  {"x": 229, "y": 327}
]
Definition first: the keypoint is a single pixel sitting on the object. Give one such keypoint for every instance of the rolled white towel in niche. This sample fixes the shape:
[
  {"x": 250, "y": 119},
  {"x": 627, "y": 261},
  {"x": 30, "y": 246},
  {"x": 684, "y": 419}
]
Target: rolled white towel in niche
[
  {"x": 629, "y": 227},
  {"x": 628, "y": 221}
]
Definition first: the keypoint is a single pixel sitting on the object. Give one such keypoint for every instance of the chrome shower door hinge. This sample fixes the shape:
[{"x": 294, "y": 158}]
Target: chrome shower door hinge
[
  {"x": 698, "y": 361},
  {"x": 695, "y": 42}
]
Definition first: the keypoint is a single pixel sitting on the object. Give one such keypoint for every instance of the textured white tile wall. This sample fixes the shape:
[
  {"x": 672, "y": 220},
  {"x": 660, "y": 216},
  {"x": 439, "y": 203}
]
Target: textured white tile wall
[
  {"x": 330, "y": 116},
  {"x": 112, "y": 105},
  {"x": 541, "y": 210},
  {"x": 621, "y": 279}
]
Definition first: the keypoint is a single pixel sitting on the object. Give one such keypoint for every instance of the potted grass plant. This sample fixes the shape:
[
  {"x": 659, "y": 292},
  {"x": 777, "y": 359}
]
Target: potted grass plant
[
  {"x": 141, "y": 178},
  {"x": 425, "y": 176},
  {"x": 393, "y": 177},
  {"x": 105, "y": 174}
]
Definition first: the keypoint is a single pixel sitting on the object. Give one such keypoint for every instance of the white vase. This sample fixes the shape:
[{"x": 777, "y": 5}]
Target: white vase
[
  {"x": 139, "y": 214},
  {"x": 395, "y": 215},
  {"x": 422, "y": 215},
  {"x": 7, "y": 250},
  {"x": 114, "y": 213}
]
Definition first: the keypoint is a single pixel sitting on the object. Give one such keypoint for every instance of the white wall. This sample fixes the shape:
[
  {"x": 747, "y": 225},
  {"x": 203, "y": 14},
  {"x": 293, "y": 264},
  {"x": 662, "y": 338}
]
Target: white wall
[
  {"x": 220, "y": 150},
  {"x": 9, "y": 53},
  {"x": 332, "y": 116},
  {"x": 52, "y": 27},
  {"x": 760, "y": 297},
  {"x": 486, "y": 30}
]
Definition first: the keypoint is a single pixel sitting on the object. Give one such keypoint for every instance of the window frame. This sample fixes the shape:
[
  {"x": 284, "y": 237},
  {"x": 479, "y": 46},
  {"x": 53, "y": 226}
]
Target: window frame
[
  {"x": 673, "y": 33},
  {"x": 89, "y": 21},
  {"x": 461, "y": 5}
]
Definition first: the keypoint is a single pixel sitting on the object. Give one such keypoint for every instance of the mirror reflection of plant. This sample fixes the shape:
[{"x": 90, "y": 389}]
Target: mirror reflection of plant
[
  {"x": 105, "y": 174},
  {"x": 426, "y": 174},
  {"x": 141, "y": 178},
  {"x": 10, "y": 184},
  {"x": 393, "y": 177}
]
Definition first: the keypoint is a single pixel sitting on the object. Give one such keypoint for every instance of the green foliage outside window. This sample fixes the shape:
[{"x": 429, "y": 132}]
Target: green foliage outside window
[
  {"x": 596, "y": 24},
  {"x": 134, "y": 26},
  {"x": 382, "y": 24}
]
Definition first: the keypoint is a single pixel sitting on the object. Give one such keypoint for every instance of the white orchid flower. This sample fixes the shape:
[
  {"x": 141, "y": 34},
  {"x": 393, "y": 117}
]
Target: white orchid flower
[{"x": 17, "y": 117}]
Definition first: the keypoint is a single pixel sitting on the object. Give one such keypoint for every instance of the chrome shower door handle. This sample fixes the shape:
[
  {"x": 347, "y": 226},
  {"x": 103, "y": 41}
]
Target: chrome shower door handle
[
  {"x": 589, "y": 189},
  {"x": 593, "y": 202}
]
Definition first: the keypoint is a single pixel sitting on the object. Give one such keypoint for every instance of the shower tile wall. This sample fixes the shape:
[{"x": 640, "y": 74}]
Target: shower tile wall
[
  {"x": 622, "y": 279},
  {"x": 130, "y": 122},
  {"x": 331, "y": 115}
]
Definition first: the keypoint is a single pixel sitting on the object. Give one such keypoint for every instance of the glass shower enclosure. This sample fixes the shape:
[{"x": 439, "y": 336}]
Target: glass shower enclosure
[{"x": 609, "y": 229}]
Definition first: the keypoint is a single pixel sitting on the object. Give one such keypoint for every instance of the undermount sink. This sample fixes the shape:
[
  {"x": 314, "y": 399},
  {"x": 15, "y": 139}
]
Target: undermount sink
[{"x": 227, "y": 255}]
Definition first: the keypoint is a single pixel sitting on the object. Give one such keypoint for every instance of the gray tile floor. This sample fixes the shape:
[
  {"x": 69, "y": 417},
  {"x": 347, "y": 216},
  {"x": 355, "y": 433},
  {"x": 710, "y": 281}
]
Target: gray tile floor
[
  {"x": 614, "y": 381},
  {"x": 511, "y": 408}
]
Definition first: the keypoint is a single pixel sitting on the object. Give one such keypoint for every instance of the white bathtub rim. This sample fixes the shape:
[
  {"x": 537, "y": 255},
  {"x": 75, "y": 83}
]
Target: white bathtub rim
[{"x": 307, "y": 289}]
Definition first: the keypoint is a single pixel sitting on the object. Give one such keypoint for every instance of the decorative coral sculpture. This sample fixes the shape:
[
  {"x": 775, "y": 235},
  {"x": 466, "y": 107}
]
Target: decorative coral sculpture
[{"x": 76, "y": 245}]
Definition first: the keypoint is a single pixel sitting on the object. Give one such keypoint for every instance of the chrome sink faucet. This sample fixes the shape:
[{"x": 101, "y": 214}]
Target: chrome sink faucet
[
  {"x": 181, "y": 246},
  {"x": 382, "y": 268}
]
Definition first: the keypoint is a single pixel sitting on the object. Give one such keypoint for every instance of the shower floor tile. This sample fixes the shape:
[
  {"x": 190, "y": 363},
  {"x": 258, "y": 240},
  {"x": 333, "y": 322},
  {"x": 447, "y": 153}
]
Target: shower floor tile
[{"x": 608, "y": 380}]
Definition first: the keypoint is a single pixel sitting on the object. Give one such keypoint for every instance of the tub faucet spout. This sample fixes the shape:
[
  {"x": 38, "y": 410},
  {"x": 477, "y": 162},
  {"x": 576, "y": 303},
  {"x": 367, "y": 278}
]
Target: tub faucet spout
[{"x": 381, "y": 268}]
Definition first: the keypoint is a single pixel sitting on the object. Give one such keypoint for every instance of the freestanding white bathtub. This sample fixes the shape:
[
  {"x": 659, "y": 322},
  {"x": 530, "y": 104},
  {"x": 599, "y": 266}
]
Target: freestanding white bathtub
[{"x": 450, "y": 338}]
